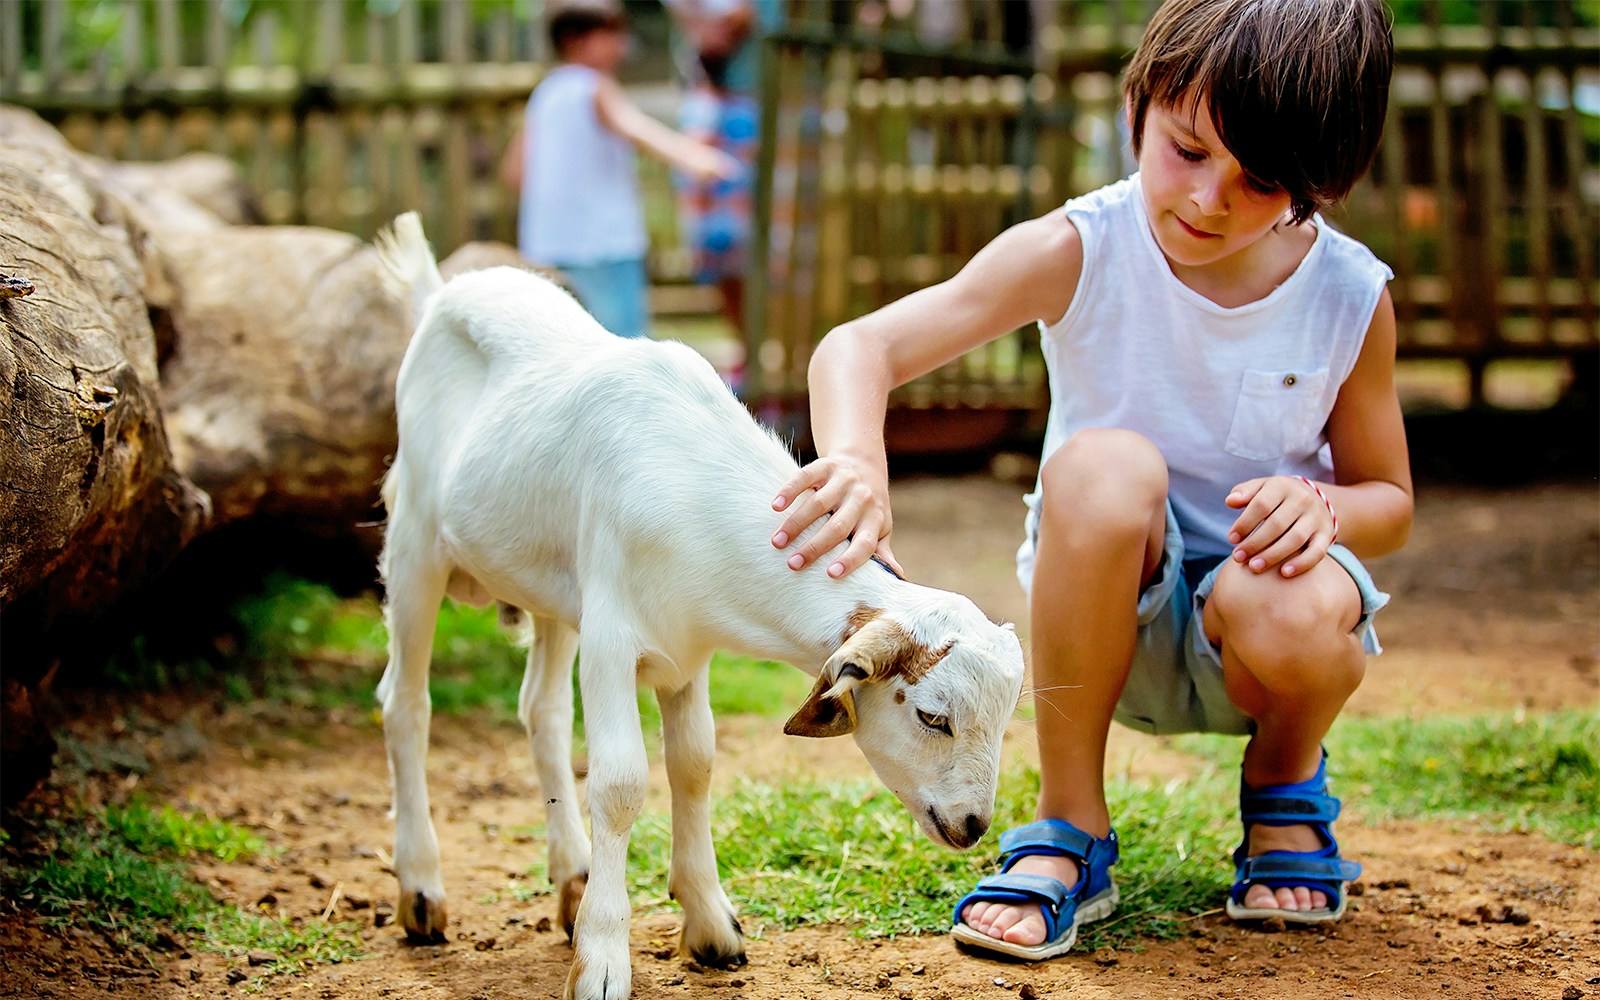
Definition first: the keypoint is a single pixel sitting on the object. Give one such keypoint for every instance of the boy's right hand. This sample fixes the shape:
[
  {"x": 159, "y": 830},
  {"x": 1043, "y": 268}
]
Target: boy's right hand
[{"x": 858, "y": 499}]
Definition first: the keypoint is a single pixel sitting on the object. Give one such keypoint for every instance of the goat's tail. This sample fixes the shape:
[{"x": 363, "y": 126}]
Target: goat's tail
[{"x": 404, "y": 251}]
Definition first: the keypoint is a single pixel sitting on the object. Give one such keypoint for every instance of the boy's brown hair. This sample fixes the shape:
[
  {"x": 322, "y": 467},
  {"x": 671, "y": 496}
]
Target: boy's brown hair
[{"x": 1297, "y": 88}]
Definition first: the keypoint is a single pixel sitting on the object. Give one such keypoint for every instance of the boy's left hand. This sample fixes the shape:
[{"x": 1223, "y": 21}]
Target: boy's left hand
[{"x": 1281, "y": 520}]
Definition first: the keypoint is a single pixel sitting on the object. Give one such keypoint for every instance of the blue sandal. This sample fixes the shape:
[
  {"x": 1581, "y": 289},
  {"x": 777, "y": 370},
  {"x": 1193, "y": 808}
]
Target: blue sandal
[
  {"x": 1301, "y": 803},
  {"x": 1093, "y": 897}
]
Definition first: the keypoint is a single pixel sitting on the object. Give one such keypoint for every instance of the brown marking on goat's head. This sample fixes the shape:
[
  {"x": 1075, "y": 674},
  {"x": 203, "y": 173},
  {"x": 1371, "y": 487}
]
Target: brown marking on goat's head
[
  {"x": 871, "y": 648},
  {"x": 892, "y": 650},
  {"x": 856, "y": 619}
]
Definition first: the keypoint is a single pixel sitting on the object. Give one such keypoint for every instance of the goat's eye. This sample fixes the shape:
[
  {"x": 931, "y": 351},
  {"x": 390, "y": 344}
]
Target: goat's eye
[{"x": 937, "y": 723}]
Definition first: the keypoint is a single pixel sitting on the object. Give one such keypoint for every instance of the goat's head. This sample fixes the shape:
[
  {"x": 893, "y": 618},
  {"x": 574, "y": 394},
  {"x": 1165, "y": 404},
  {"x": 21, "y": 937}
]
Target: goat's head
[{"x": 927, "y": 694}]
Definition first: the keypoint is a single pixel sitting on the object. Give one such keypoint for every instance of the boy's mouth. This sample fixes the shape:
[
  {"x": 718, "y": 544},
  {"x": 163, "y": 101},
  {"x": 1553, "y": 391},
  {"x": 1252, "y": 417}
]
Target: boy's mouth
[{"x": 1199, "y": 234}]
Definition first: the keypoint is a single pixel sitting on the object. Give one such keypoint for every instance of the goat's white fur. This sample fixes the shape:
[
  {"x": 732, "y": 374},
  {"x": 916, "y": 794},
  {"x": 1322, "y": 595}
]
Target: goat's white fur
[{"x": 617, "y": 491}]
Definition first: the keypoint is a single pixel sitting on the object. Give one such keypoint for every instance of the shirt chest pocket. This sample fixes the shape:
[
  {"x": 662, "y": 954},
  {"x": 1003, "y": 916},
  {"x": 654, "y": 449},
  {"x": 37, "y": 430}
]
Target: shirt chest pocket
[{"x": 1278, "y": 413}]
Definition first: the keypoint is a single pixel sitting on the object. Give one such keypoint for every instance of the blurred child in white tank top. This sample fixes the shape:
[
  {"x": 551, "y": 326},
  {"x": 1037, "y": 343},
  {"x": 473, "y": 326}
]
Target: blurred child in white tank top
[{"x": 573, "y": 161}]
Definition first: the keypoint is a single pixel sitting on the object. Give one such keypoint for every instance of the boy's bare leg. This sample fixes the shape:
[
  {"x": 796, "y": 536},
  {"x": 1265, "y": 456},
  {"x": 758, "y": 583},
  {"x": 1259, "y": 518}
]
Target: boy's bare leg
[
  {"x": 1289, "y": 661},
  {"x": 1101, "y": 531}
]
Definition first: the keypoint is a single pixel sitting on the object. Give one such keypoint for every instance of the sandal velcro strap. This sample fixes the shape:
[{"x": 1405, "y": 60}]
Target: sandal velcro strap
[
  {"x": 1018, "y": 888},
  {"x": 1279, "y": 809},
  {"x": 1046, "y": 836},
  {"x": 1297, "y": 803},
  {"x": 1059, "y": 905},
  {"x": 1283, "y": 866}
]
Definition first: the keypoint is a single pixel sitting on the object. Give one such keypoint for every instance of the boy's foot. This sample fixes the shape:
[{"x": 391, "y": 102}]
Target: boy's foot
[
  {"x": 1288, "y": 865},
  {"x": 1264, "y": 838},
  {"x": 1053, "y": 879},
  {"x": 1021, "y": 923}
]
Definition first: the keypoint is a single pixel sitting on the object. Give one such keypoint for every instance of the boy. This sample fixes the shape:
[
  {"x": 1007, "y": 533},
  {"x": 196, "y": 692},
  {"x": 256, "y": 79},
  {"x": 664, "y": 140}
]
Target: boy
[
  {"x": 573, "y": 162},
  {"x": 1221, "y": 366}
]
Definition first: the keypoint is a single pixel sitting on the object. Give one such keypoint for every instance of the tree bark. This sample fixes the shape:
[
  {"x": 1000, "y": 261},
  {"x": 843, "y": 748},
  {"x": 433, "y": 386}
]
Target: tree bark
[
  {"x": 171, "y": 372},
  {"x": 90, "y": 504}
]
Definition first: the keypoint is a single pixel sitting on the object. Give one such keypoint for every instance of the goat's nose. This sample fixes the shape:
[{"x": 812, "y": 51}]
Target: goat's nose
[{"x": 976, "y": 825}]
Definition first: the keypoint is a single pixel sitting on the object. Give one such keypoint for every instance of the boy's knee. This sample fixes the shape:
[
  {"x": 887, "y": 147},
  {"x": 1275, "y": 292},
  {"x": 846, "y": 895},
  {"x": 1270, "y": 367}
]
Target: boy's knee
[
  {"x": 1105, "y": 475},
  {"x": 1294, "y": 632}
]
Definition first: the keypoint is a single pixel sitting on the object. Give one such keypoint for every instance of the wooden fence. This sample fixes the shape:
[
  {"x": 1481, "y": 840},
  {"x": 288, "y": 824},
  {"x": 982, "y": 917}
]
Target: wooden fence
[
  {"x": 341, "y": 114},
  {"x": 887, "y": 159},
  {"x": 1485, "y": 196}
]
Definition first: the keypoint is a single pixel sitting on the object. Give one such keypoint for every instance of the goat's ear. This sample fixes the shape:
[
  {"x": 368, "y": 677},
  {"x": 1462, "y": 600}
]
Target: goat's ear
[
  {"x": 827, "y": 711},
  {"x": 876, "y": 650}
]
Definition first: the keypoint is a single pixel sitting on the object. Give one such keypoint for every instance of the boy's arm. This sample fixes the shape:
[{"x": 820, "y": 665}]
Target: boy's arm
[
  {"x": 623, "y": 117},
  {"x": 1372, "y": 466},
  {"x": 1281, "y": 521},
  {"x": 1027, "y": 273}
]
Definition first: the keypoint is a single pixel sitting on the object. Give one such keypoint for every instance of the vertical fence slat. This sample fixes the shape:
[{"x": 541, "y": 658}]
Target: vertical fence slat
[
  {"x": 10, "y": 49},
  {"x": 1580, "y": 217},
  {"x": 130, "y": 14},
  {"x": 52, "y": 33},
  {"x": 1393, "y": 154},
  {"x": 217, "y": 41}
]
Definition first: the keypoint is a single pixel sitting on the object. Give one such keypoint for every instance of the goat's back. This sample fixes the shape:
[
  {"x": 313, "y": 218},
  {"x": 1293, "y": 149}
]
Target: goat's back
[{"x": 543, "y": 449}]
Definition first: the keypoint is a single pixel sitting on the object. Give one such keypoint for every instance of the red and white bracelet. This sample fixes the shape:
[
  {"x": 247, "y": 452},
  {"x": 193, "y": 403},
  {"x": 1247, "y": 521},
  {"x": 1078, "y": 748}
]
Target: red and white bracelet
[{"x": 1326, "y": 503}]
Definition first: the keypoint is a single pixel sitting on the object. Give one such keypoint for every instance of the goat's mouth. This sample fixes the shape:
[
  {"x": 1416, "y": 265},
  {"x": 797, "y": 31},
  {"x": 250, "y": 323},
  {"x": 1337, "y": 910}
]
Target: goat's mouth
[{"x": 953, "y": 835}]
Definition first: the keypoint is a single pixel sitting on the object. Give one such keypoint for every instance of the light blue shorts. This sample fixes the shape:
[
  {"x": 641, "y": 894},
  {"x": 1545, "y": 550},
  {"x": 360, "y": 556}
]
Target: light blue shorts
[
  {"x": 616, "y": 292},
  {"x": 1175, "y": 684}
]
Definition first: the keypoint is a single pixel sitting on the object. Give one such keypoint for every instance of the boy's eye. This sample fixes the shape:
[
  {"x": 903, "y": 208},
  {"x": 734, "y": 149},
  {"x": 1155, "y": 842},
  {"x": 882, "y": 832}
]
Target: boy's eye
[
  {"x": 1188, "y": 154},
  {"x": 938, "y": 723}
]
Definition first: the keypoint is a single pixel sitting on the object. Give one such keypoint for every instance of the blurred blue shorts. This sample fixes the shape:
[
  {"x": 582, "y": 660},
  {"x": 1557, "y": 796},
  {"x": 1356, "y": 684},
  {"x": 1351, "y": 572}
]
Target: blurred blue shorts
[{"x": 617, "y": 293}]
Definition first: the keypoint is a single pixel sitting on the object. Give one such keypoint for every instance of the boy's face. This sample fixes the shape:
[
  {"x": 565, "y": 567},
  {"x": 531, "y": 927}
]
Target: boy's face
[
  {"x": 1203, "y": 207},
  {"x": 602, "y": 49}
]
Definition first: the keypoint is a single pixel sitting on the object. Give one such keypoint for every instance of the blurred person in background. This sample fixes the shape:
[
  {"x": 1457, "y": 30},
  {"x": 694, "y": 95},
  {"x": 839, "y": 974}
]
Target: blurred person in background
[
  {"x": 719, "y": 59},
  {"x": 573, "y": 163}
]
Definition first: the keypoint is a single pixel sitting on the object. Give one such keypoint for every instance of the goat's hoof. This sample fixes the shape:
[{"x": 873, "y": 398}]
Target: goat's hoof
[
  {"x": 712, "y": 945},
  {"x": 596, "y": 978},
  {"x": 571, "y": 896},
  {"x": 424, "y": 919},
  {"x": 713, "y": 957}
]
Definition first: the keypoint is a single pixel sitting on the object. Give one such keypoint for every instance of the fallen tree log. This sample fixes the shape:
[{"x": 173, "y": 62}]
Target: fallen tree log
[
  {"x": 90, "y": 504},
  {"x": 279, "y": 395},
  {"x": 171, "y": 373}
]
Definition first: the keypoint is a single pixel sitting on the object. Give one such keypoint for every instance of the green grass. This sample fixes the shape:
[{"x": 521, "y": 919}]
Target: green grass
[
  {"x": 120, "y": 871},
  {"x": 313, "y": 648},
  {"x": 151, "y": 831},
  {"x": 1533, "y": 772},
  {"x": 811, "y": 852}
]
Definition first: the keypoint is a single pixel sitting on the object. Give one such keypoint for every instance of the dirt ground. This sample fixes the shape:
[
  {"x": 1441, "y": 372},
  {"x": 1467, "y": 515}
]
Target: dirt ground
[{"x": 1497, "y": 605}]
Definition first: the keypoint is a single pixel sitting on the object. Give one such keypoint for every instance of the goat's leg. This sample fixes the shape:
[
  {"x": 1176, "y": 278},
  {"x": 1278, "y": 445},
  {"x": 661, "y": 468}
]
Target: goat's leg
[
  {"x": 711, "y": 932},
  {"x": 415, "y": 586},
  {"x": 618, "y": 773},
  {"x": 545, "y": 706}
]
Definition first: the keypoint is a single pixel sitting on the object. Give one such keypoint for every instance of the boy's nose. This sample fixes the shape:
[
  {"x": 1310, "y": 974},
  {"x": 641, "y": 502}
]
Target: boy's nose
[{"x": 1208, "y": 198}]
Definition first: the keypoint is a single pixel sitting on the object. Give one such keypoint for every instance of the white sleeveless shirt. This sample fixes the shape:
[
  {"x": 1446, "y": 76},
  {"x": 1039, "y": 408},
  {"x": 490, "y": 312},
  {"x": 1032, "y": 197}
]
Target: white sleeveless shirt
[
  {"x": 1226, "y": 394},
  {"x": 580, "y": 189}
]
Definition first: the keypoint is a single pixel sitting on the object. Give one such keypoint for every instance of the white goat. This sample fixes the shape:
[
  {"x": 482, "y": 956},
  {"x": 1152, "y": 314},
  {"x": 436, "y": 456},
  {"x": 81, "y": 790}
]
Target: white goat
[{"x": 617, "y": 491}]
